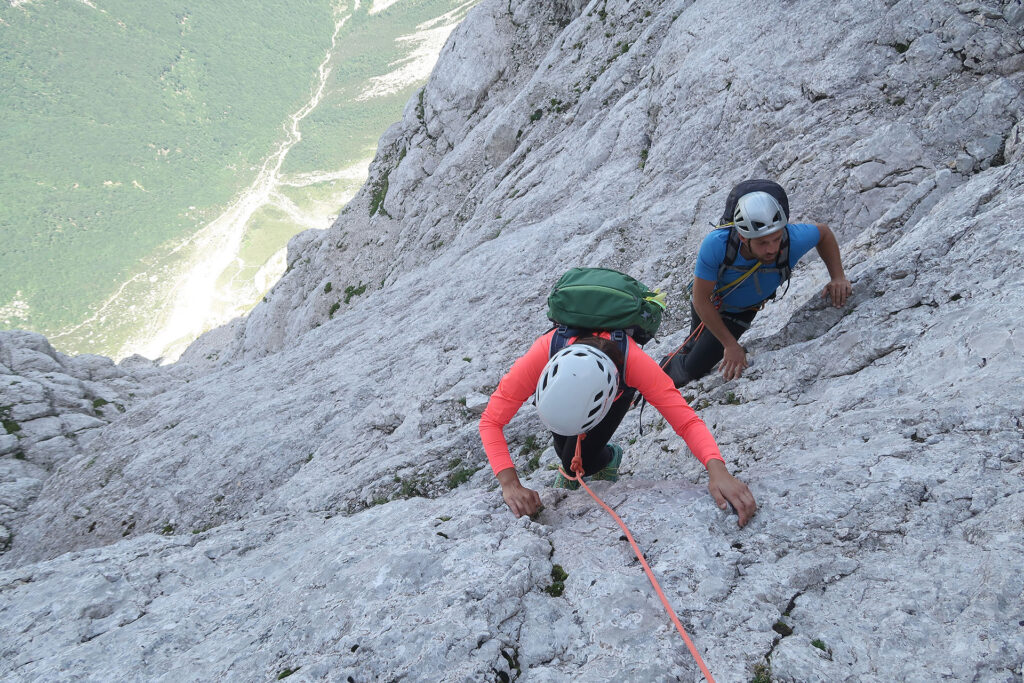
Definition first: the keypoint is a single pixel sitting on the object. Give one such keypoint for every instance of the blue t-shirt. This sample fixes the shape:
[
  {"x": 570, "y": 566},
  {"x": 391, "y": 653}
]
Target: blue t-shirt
[{"x": 762, "y": 284}]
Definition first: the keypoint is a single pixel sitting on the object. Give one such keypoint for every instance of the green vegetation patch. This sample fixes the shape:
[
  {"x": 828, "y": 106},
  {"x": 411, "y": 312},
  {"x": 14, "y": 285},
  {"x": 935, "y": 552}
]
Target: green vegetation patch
[
  {"x": 10, "y": 426},
  {"x": 126, "y": 128},
  {"x": 461, "y": 475},
  {"x": 558, "y": 577},
  {"x": 762, "y": 673},
  {"x": 532, "y": 449},
  {"x": 380, "y": 191},
  {"x": 351, "y": 291}
]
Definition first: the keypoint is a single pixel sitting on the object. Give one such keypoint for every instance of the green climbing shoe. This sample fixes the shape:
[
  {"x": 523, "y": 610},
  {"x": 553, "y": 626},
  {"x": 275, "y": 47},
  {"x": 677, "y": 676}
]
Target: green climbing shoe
[
  {"x": 610, "y": 472},
  {"x": 561, "y": 482}
]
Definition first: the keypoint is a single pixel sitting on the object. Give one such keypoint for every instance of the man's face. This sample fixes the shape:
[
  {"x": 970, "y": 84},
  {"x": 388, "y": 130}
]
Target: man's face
[{"x": 765, "y": 249}]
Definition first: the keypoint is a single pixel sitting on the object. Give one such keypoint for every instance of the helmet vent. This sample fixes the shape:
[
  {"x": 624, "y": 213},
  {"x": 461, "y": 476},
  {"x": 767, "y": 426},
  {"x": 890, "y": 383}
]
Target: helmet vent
[
  {"x": 573, "y": 401},
  {"x": 758, "y": 214}
]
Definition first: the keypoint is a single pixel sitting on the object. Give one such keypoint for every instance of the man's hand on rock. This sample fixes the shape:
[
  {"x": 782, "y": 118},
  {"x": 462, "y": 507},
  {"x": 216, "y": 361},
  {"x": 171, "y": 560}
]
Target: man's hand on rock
[
  {"x": 838, "y": 290},
  {"x": 734, "y": 362}
]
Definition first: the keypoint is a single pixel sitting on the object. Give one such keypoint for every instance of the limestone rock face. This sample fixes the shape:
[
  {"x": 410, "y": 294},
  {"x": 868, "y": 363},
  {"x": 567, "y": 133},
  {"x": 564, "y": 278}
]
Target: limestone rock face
[
  {"x": 51, "y": 405},
  {"x": 305, "y": 491}
]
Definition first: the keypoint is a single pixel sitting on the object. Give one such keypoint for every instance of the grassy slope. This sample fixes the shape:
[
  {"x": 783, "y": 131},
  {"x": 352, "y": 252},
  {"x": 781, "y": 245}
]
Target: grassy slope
[
  {"x": 185, "y": 103},
  {"x": 129, "y": 114},
  {"x": 342, "y": 131}
]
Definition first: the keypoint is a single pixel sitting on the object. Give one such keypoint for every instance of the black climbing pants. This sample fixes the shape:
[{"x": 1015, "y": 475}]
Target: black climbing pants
[
  {"x": 595, "y": 451},
  {"x": 699, "y": 355}
]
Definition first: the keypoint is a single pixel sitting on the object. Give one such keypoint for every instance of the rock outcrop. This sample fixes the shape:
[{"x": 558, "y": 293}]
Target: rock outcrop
[
  {"x": 305, "y": 490},
  {"x": 51, "y": 405}
]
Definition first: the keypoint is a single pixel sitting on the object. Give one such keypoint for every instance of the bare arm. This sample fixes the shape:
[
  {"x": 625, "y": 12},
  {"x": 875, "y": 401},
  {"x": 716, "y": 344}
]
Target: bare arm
[
  {"x": 521, "y": 500},
  {"x": 839, "y": 287},
  {"x": 734, "y": 360},
  {"x": 726, "y": 488}
]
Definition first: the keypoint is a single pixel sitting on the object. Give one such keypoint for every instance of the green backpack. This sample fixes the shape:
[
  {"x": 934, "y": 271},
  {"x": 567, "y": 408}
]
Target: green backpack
[{"x": 591, "y": 299}]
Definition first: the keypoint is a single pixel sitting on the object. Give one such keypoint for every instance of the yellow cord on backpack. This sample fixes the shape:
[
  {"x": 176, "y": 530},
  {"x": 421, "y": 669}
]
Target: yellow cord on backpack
[{"x": 658, "y": 298}]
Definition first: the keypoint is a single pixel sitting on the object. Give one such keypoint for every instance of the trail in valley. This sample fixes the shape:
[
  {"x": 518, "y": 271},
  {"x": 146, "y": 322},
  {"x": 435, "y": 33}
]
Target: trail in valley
[
  {"x": 205, "y": 280},
  {"x": 190, "y": 300}
]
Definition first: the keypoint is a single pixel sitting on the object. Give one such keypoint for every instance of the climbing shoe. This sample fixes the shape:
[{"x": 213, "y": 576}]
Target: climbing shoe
[
  {"x": 561, "y": 482},
  {"x": 610, "y": 472}
]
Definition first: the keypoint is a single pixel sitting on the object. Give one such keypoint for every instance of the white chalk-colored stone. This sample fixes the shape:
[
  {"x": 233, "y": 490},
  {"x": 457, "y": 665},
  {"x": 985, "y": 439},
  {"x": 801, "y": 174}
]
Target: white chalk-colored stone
[{"x": 315, "y": 457}]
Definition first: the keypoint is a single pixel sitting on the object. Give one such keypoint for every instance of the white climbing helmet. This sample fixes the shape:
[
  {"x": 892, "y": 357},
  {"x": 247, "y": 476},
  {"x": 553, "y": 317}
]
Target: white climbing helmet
[
  {"x": 758, "y": 214},
  {"x": 576, "y": 389}
]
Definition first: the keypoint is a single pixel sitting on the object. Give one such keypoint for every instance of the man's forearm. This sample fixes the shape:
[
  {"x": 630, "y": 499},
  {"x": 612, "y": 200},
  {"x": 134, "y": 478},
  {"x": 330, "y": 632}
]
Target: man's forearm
[
  {"x": 828, "y": 250},
  {"x": 712, "y": 320}
]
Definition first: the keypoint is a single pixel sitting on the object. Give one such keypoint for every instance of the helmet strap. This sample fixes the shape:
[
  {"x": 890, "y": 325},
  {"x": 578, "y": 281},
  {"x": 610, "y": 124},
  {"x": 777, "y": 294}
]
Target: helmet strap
[{"x": 745, "y": 248}]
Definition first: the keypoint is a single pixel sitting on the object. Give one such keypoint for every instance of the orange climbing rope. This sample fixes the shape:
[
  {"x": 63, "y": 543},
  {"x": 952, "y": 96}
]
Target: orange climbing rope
[
  {"x": 577, "y": 468},
  {"x": 693, "y": 335},
  {"x": 716, "y": 299}
]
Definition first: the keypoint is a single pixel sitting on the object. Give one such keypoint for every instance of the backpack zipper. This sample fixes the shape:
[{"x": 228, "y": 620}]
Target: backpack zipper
[{"x": 618, "y": 292}]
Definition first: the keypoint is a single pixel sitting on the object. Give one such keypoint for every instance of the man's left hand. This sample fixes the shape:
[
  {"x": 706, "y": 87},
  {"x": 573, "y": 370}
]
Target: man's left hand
[{"x": 838, "y": 290}]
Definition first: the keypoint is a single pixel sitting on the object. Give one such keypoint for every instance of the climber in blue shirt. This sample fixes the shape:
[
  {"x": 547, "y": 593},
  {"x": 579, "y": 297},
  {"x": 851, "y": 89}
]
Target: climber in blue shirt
[{"x": 738, "y": 269}]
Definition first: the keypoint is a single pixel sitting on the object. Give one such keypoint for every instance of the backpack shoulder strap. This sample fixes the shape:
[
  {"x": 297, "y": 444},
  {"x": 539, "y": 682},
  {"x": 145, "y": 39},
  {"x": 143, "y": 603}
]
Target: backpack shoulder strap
[
  {"x": 782, "y": 260},
  {"x": 732, "y": 248},
  {"x": 560, "y": 339},
  {"x": 622, "y": 339},
  {"x": 782, "y": 265}
]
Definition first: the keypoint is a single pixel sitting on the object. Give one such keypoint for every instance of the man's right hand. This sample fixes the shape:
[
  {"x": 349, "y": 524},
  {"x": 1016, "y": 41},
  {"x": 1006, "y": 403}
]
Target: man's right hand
[
  {"x": 734, "y": 362},
  {"x": 520, "y": 500}
]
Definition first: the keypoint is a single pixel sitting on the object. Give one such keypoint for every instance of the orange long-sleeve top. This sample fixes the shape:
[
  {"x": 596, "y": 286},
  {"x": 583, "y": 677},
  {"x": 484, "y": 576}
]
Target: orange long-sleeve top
[{"x": 642, "y": 373}]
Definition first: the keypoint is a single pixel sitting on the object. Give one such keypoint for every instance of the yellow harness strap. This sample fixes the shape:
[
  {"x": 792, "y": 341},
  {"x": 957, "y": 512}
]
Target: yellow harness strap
[{"x": 737, "y": 281}]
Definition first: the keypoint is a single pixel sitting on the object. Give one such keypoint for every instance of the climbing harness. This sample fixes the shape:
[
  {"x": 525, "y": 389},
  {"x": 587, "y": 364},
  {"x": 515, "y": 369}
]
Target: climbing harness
[
  {"x": 577, "y": 468},
  {"x": 716, "y": 299}
]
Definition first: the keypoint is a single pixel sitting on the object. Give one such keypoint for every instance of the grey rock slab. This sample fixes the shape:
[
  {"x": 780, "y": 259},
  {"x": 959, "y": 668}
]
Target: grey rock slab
[
  {"x": 882, "y": 440},
  {"x": 23, "y": 412},
  {"x": 20, "y": 482},
  {"x": 476, "y": 403},
  {"x": 463, "y": 576},
  {"x": 30, "y": 360},
  {"x": 50, "y": 402},
  {"x": 8, "y": 443},
  {"x": 41, "y": 429},
  {"x": 48, "y": 453}
]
